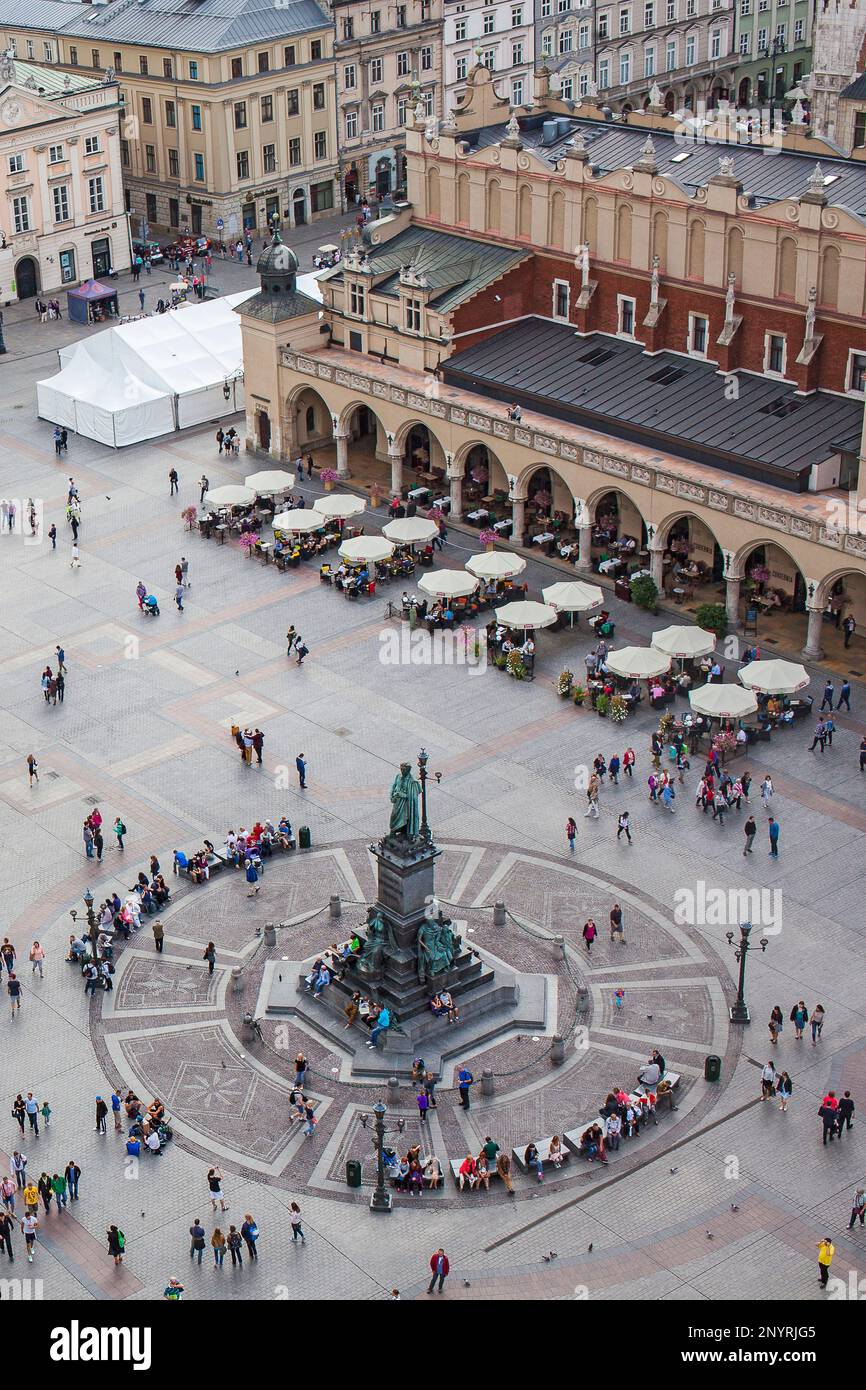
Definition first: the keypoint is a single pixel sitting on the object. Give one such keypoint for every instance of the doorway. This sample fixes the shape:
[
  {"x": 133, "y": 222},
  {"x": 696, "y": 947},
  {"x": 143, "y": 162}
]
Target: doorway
[
  {"x": 263, "y": 421},
  {"x": 26, "y": 282},
  {"x": 101, "y": 252},
  {"x": 299, "y": 207}
]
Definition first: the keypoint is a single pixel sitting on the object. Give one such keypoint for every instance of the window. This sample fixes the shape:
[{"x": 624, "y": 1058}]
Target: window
[
  {"x": 625, "y": 21},
  {"x": 91, "y": 144},
  {"x": 547, "y": 45},
  {"x": 401, "y": 16},
  {"x": 561, "y": 296},
  {"x": 67, "y": 266},
  {"x": 745, "y": 43},
  {"x": 377, "y": 115},
  {"x": 413, "y": 315},
  {"x": 567, "y": 89},
  {"x": 193, "y": 76},
  {"x": 267, "y": 109},
  {"x": 315, "y": 50},
  {"x": 147, "y": 111},
  {"x": 356, "y": 300},
  {"x": 545, "y": 9},
  {"x": 263, "y": 61},
  {"x": 774, "y": 353},
  {"x": 150, "y": 158},
  {"x": 857, "y": 373},
  {"x": 351, "y": 125},
  {"x": 376, "y": 72},
  {"x": 648, "y": 16},
  {"x": 603, "y": 26},
  {"x": 294, "y": 150},
  {"x": 269, "y": 159},
  {"x": 649, "y": 62},
  {"x": 460, "y": 67},
  {"x": 426, "y": 58},
  {"x": 16, "y": 164},
  {"x": 237, "y": 67},
  {"x": 20, "y": 214},
  {"x": 118, "y": 59},
  {"x": 350, "y": 77},
  {"x": 73, "y": 56},
  {"x": 173, "y": 166},
  {"x": 167, "y": 70},
  {"x": 240, "y": 115},
  {"x": 96, "y": 194},
  {"x": 690, "y": 50},
  {"x": 624, "y": 67},
  {"x": 716, "y": 43},
  {"x": 566, "y": 40},
  {"x": 375, "y": 22},
  {"x": 859, "y": 130},
  {"x": 564, "y": 5},
  {"x": 487, "y": 58},
  {"x": 781, "y": 36},
  {"x": 699, "y": 328},
  {"x": 55, "y": 154},
  {"x": 195, "y": 117},
  {"x": 670, "y": 55},
  {"x": 173, "y": 212},
  {"x": 403, "y": 110},
  {"x": 292, "y": 106},
  {"x": 459, "y": 30},
  {"x": 489, "y": 23},
  {"x": 61, "y": 203},
  {"x": 425, "y": 10},
  {"x": 798, "y": 31},
  {"x": 517, "y": 93},
  {"x": 318, "y": 96},
  {"x": 625, "y": 309},
  {"x": 403, "y": 64},
  {"x": 692, "y": 8},
  {"x": 170, "y": 114},
  {"x": 671, "y": 11},
  {"x": 124, "y": 153},
  {"x": 320, "y": 145},
  {"x": 289, "y": 55},
  {"x": 583, "y": 84},
  {"x": 762, "y": 38},
  {"x": 516, "y": 16},
  {"x": 142, "y": 66},
  {"x": 583, "y": 36},
  {"x": 763, "y": 5},
  {"x": 603, "y": 73},
  {"x": 94, "y": 58},
  {"x": 198, "y": 168},
  {"x": 348, "y": 28}
]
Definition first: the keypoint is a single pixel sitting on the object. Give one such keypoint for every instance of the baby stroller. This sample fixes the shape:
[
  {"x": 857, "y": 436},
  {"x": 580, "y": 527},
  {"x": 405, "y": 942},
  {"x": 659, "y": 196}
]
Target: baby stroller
[{"x": 151, "y": 605}]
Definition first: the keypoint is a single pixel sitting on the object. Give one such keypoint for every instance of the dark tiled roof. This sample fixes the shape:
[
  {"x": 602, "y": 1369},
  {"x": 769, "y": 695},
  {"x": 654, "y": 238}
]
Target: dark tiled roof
[
  {"x": 768, "y": 176},
  {"x": 664, "y": 400},
  {"x": 278, "y": 308},
  {"x": 856, "y": 90},
  {"x": 204, "y": 26},
  {"x": 455, "y": 267}
]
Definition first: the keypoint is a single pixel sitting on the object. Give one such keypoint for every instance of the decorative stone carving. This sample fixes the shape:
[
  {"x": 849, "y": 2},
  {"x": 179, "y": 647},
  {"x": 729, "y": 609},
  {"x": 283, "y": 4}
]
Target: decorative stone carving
[
  {"x": 513, "y": 127},
  {"x": 726, "y": 166},
  {"x": 289, "y": 359},
  {"x": 811, "y": 313},
  {"x": 438, "y": 408},
  {"x": 591, "y": 459},
  {"x": 815, "y": 182},
  {"x": 380, "y": 389},
  {"x": 641, "y": 475},
  {"x": 501, "y": 429},
  {"x": 665, "y": 483},
  {"x": 828, "y": 536},
  {"x": 458, "y": 416},
  {"x": 569, "y": 452},
  {"x": 730, "y": 298},
  {"x": 325, "y": 371},
  {"x": 415, "y": 402},
  {"x": 656, "y": 95},
  {"x": 855, "y": 545},
  {"x": 479, "y": 422},
  {"x": 693, "y": 491},
  {"x": 717, "y": 500},
  {"x": 543, "y": 444},
  {"x": 770, "y": 517},
  {"x": 398, "y": 396},
  {"x": 619, "y": 467},
  {"x": 343, "y": 378},
  {"x": 522, "y": 437},
  {"x": 654, "y": 281},
  {"x": 801, "y": 527},
  {"x": 305, "y": 365},
  {"x": 744, "y": 509},
  {"x": 648, "y": 149}
]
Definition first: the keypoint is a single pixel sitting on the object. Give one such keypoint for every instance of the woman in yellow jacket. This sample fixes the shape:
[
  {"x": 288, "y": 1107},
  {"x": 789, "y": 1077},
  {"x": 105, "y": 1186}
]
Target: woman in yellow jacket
[{"x": 826, "y": 1251}]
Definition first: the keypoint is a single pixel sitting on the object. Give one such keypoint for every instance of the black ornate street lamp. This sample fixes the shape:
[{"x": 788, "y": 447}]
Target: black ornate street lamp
[
  {"x": 739, "y": 1012},
  {"x": 423, "y": 759},
  {"x": 381, "y": 1199},
  {"x": 92, "y": 923}
]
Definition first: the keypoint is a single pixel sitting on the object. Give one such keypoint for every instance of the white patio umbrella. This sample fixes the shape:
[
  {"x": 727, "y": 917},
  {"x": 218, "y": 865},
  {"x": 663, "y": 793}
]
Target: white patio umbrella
[
  {"x": 572, "y": 596},
  {"x": 526, "y": 614},
  {"x": 230, "y": 495},
  {"x": 448, "y": 583},
  {"x": 271, "y": 481},
  {"x": 410, "y": 530},
  {"x": 684, "y": 641},
  {"x": 340, "y": 504},
  {"x": 774, "y": 677},
  {"x": 300, "y": 519},
  {"x": 496, "y": 564},
  {"x": 720, "y": 701},
  {"x": 640, "y": 663},
  {"x": 365, "y": 550}
]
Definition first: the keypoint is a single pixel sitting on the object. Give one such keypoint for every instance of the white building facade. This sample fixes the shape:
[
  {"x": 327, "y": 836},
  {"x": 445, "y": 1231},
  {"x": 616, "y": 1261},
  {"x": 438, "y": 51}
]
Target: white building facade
[{"x": 500, "y": 34}]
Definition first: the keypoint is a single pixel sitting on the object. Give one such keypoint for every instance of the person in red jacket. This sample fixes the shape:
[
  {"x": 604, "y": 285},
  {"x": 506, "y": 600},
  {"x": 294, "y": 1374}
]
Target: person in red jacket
[{"x": 440, "y": 1267}]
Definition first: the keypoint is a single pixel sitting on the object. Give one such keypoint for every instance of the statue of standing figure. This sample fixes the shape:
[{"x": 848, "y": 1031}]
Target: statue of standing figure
[{"x": 405, "y": 794}]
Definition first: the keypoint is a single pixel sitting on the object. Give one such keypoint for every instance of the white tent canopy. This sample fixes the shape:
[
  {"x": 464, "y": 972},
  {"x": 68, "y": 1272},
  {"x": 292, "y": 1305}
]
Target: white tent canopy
[{"x": 139, "y": 380}]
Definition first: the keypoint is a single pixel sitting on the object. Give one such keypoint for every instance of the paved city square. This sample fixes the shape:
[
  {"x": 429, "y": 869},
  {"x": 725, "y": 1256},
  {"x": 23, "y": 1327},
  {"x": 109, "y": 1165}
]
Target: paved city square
[{"x": 725, "y": 1199}]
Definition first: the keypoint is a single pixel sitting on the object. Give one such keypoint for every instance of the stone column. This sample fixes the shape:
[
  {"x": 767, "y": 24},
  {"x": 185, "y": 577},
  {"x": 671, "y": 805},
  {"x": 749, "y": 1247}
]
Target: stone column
[
  {"x": 456, "y": 510},
  {"x": 813, "y": 651},
  {"x": 584, "y": 548},
  {"x": 342, "y": 443},
  {"x": 732, "y": 600},
  {"x": 518, "y": 506},
  {"x": 656, "y": 567},
  {"x": 395, "y": 458}
]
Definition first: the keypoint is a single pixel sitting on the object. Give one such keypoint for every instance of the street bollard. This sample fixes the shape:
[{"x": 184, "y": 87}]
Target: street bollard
[
  {"x": 237, "y": 979},
  {"x": 270, "y": 936},
  {"x": 557, "y": 1050},
  {"x": 582, "y": 1001},
  {"x": 488, "y": 1085},
  {"x": 335, "y": 907},
  {"x": 499, "y": 914},
  {"x": 249, "y": 1031},
  {"x": 393, "y": 1090}
]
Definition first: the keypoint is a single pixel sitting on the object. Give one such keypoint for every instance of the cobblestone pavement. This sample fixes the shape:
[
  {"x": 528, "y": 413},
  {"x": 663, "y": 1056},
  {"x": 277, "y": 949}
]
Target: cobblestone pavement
[{"x": 144, "y": 733}]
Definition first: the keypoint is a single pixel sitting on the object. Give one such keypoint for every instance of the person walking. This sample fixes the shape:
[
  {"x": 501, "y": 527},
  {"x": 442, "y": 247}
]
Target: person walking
[
  {"x": 827, "y": 698},
  {"x": 302, "y": 650},
  {"x": 19, "y": 1113},
  {"x": 98, "y": 843},
  {"x": 768, "y": 1080},
  {"x": 799, "y": 1018},
  {"x": 184, "y": 571},
  {"x": 116, "y": 1244},
  {"x": 774, "y": 838},
  {"x": 158, "y": 935},
  {"x": 845, "y": 1113},
  {"x": 589, "y": 933},
  {"x": 592, "y": 797},
  {"x": 8, "y": 952},
  {"x": 775, "y": 1024},
  {"x": 120, "y": 831},
  {"x": 203, "y": 487},
  {"x": 465, "y": 1079},
  {"x": 623, "y": 827},
  {"x": 440, "y": 1268},
  {"x": 858, "y": 1209},
  {"x": 141, "y": 298},
  {"x": 848, "y": 626},
  {"x": 173, "y": 1290},
  {"x": 52, "y": 536},
  {"x": 820, "y": 736},
  {"x": 30, "y": 1229},
  {"x": 218, "y": 1245},
  {"x": 750, "y": 830},
  {"x": 7, "y": 1226},
  {"x": 829, "y": 729},
  {"x": 214, "y": 1182},
  {"x": 209, "y": 955},
  {"x": 252, "y": 878},
  {"x": 258, "y": 744},
  {"x": 172, "y": 481},
  {"x": 58, "y": 1182},
  {"x": 816, "y": 1023},
  {"x": 13, "y": 989},
  {"x": 235, "y": 1245},
  {"x": 571, "y": 832},
  {"x": 301, "y": 766},
  {"x": 101, "y": 1115},
  {"x": 75, "y": 560},
  {"x": 31, "y": 1107},
  {"x": 828, "y": 1112},
  {"x": 250, "y": 1235},
  {"x": 784, "y": 1087},
  {"x": 423, "y": 1104},
  {"x": 826, "y": 1251},
  {"x": 18, "y": 1167},
  {"x": 845, "y": 695},
  {"x": 767, "y": 790},
  {"x": 178, "y": 598},
  {"x": 297, "y": 1229},
  {"x": 72, "y": 1173},
  {"x": 196, "y": 1239},
  {"x": 7, "y": 1193},
  {"x": 115, "y": 1112},
  {"x": 616, "y": 930}
]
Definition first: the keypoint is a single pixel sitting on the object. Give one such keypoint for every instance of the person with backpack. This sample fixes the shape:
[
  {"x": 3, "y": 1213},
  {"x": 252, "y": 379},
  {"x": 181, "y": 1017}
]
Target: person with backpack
[
  {"x": 197, "y": 1235},
  {"x": 116, "y": 1244},
  {"x": 120, "y": 831},
  {"x": 235, "y": 1245},
  {"x": 250, "y": 1235}
]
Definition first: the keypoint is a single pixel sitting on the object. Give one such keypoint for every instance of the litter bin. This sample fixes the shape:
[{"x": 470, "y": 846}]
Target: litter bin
[
  {"x": 304, "y": 837},
  {"x": 712, "y": 1067},
  {"x": 353, "y": 1173}
]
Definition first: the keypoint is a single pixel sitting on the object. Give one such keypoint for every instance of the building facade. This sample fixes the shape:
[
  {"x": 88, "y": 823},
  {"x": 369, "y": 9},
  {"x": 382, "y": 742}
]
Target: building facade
[
  {"x": 498, "y": 33},
  {"x": 388, "y": 59},
  {"x": 230, "y": 113},
  {"x": 838, "y": 54},
  {"x": 773, "y": 44},
  {"x": 685, "y": 45},
  {"x": 62, "y": 216}
]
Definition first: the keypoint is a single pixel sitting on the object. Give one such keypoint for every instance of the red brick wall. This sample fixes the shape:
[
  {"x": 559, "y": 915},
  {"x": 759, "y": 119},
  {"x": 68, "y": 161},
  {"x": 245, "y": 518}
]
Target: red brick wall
[{"x": 528, "y": 289}]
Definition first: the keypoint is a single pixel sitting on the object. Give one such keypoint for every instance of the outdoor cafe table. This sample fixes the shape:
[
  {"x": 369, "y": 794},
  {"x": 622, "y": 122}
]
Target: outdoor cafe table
[
  {"x": 478, "y": 515},
  {"x": 543, "y": 538}
]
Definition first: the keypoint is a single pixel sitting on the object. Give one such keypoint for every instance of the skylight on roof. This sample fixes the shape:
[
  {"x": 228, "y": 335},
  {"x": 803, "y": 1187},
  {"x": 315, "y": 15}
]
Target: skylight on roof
[
  {"x": 684, "y": 154},
  {"x": 831, "y": 178}
]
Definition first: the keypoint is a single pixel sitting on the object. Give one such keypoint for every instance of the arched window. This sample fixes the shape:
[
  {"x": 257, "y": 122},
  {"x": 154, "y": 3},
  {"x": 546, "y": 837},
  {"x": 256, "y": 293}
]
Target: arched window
[
  {"x": 433, "y": 209},
  {"x": 697, "y": 236},
  {"x": 623, "y": 233},
  {"x": 463, "y": 198},
  {"x": 311, "y": 419},
  {"x": 494, "y": 206},
  {"x": 590, "y": 223},
  {"x": 556, "y": 235},
  {"x": 828, "y": 291},
  {"x": 735, "y": 254},
  {"x": 787, "y": 268},
  {"x": 660, "y": 238},
  {"x": 524, "y": 210}
]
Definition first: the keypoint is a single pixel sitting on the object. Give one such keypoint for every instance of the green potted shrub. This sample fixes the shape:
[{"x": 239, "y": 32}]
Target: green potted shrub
[
  {"x": 644, "y": 592},
  {"x": 564, "y": 683},
  {"x": 712, "y": 617},
  {"x": 602, "y": 705},
  {"x": 578, "y": 695}
]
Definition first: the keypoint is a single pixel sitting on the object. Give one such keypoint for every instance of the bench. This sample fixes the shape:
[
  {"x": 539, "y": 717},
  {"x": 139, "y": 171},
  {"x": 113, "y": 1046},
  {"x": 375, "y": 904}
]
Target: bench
[
  {"x": 454, "y": 1165},
  {"x": 543, "y": 1146}
]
